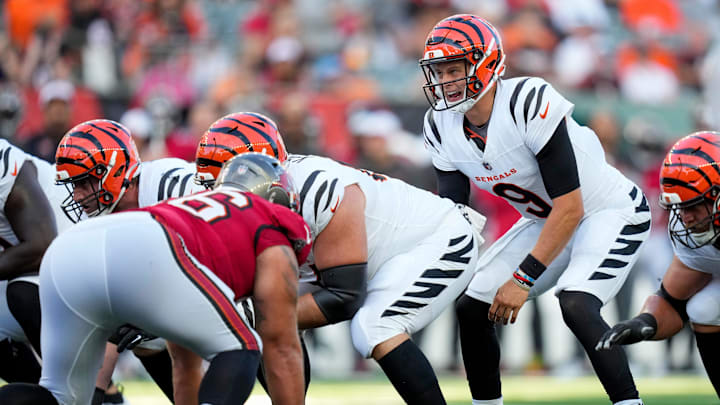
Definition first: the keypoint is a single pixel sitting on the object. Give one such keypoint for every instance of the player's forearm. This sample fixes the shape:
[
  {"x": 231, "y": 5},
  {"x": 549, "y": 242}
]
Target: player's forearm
[
  {"x": 556, "y": 233},
  {"x": 309, "y": 314},
  {"x": 187, "y": 374},
  {"x": 284, "y": 370},
  {"x": 21, "y": 259}
]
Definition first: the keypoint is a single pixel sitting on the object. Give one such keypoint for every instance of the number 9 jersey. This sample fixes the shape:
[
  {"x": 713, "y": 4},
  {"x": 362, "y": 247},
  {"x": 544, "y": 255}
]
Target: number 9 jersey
[{"x": 526, "y": 112}]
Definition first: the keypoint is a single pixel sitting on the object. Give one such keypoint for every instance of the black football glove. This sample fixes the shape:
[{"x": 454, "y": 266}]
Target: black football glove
[
  {"x": 128, "y": 336},
  {"x": 642, "y": 327}
]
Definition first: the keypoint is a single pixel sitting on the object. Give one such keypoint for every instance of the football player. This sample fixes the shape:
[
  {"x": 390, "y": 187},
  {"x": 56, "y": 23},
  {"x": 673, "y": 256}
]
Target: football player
[
  {"x": 28, "y": 224},
  {"x": 582, "y": 223},
  {"x": 387, "y": 256},
  {"x": 99, "y": 164},
  {"x": 180, "y": 283},
  {"x": 690, "y": 288}
]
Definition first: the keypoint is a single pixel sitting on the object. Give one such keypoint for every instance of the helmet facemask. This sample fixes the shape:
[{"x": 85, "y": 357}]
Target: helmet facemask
[{"x": 702, "y": 232}]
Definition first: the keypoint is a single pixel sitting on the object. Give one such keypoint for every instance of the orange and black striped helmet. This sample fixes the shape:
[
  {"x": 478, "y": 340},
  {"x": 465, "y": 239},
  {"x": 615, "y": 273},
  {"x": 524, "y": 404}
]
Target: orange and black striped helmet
[
  {"x": 234, "y": 134},
  {"x": 102, "y": 150},
  {"x": 468, "y": 38},
  {"x": 690, "y": 175}
]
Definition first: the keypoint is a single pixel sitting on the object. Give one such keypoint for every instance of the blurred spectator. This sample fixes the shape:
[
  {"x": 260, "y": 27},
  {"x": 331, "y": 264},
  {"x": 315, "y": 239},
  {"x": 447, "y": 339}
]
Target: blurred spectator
[
  {"x": 27, "y": 17},
  {"x": 296, "y": 123},
  {"x": 149, "y": 144},
  {"x": 646, "y": 74},
  {"x": 11, "y": 111},
  {"x": 56, "y": 99},
  {"x": 182, "y": 142},
  {"x": 529, "y": 40},
  {"x": 656, "y": 16}
]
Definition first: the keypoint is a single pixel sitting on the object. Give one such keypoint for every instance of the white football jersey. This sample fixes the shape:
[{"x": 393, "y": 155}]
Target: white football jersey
[
  {"x": 705, "y": 258},
  {"x": 166, "y": 178},
  {"x": 526, "y": 111},
  {"x": 397, "y": 215},
  {"x": 12, "y": 159}
]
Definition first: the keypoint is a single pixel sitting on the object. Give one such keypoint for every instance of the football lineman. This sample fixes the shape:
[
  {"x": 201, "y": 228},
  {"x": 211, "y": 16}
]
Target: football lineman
[
  {"x": 90, "y": 286},
  {"x": 387, "y": 256},
  {"x": 582, "y": 222},
  {"x": 690, "y": 288},
  {"x": 99, "y": 164}
]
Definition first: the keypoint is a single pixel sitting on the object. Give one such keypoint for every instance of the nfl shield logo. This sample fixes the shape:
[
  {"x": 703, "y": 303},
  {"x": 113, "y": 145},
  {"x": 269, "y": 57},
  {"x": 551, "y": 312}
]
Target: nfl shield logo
[{"x": 487, "y": 166}]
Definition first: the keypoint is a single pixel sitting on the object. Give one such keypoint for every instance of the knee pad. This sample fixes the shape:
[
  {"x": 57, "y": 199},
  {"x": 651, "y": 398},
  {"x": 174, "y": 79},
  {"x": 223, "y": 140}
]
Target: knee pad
[
  {"x": 470, "y": 310},
  {"x": 704, "y": 309},
  {"x": 230, "y": 377}
]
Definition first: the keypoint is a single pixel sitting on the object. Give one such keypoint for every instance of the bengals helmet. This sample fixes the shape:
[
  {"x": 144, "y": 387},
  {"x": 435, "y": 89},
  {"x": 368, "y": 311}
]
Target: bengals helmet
[
  {"x": 234, "y": 134},
  {"x": 261, "y": 175},
  {"x": 690, "y": 175},
  {"x": 103, "y": 152},
  {"x": 468, "y": 38}
]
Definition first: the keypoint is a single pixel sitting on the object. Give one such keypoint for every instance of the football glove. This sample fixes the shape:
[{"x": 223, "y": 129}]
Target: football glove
[
  {"x": 642, "y": 327},
  {"x": 127, "y": 336}
]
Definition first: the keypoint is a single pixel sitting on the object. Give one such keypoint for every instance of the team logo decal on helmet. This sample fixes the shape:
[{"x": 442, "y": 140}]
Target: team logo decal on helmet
[
  {"x": 468, "y": 38},
  {"x": 103, "y": 153},
  {"x": 261, "y": 175},
  {"x": 234, "y": 134},
  {"x": 690, "y": 175}
]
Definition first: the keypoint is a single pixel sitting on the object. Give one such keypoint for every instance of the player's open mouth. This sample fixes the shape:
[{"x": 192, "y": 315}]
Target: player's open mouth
[{"x": 453, "y": 96}]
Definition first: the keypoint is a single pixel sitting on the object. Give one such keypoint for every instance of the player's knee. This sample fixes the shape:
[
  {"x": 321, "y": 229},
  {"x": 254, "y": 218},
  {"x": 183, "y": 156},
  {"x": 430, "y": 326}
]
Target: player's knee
[
  {"x": 578, "y": 307},
  {"x": 23, "y": 299},
  {"x": 704, "y": 309},
  {"x": 472, "y": 311}
]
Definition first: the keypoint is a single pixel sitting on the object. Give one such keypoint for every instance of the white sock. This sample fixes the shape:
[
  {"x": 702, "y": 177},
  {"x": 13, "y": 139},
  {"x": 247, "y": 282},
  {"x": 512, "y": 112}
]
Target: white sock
[
  {"x": 630, "y": 402},
  {"x": 497, "y": 401}
]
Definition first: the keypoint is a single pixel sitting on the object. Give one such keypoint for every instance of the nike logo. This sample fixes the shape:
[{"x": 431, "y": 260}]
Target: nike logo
[
  {"x": 543, "y": 115},
  {"x": 14, "y": 172},
  {"x": 333, "y": 208}
]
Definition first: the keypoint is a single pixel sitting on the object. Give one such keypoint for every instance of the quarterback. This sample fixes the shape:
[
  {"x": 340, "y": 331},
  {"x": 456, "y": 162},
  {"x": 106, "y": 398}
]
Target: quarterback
[
  {"x": 690, "y": 288},
  {"x": 582, "y": 222},
  {"x": 387, "y": 256}
]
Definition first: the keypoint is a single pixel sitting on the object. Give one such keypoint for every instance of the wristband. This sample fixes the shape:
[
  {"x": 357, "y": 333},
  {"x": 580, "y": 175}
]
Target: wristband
[
  {"x": 523, "y": 280},
  {"x": 532, "y": 267}
]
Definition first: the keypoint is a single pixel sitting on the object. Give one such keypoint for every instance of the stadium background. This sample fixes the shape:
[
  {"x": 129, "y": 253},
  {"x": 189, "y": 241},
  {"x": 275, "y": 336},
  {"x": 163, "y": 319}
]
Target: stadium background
[{"x": 341, "y": 79}]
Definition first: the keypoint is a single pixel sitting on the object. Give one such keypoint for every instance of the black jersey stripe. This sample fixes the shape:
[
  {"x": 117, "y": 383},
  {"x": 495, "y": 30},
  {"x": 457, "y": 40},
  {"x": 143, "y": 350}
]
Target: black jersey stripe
[
  {"x": 306, "y": 187},
  {"x": 6, "y": 161},
  {"x": 539, "y": 100},
  {"x": 171, "y": 187},
  {"x": 163, "y": 180},
  {"x": 319, "y": 196},
  {"x": 184, "y": 183},
  {"x": 513, "y": 99},
  {"x": 330, "y": 193},
  {"x": 528, "y": 100},
  {"x": 91, "y": 138},
  {"x": 430, "y": 117}
]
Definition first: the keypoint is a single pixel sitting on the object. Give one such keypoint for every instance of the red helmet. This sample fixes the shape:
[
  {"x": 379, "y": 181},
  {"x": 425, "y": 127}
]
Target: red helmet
[
  {"x": 234, "y": 134},
  {"x": 102, "y": 150},
  {"x": 690, "y": 175},
  {"x": 468, "y": 38}
]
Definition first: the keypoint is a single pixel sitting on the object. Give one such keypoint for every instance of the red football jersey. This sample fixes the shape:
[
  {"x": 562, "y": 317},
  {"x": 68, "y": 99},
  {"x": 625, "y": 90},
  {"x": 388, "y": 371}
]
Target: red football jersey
[{"x": 226, "y": 229}]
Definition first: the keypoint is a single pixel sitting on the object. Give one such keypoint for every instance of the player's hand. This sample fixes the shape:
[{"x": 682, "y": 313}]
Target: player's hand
[
  {"x": 507, "y": 303},
  {"x": 128, "y": 336},
  {"x": 642, "y": 327}
]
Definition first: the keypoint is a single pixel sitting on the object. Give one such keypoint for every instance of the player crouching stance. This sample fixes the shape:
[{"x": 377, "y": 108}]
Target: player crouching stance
[
  {"x": 690, "y": 289},
  {"x": 173, "y": 271}
]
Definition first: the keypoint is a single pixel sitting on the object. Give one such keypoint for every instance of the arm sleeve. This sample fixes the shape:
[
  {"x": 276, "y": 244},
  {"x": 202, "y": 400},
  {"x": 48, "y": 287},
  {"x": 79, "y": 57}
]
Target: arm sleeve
[
  {"x": 453, "y": 185},
  {"x": 557, "y": 163}
]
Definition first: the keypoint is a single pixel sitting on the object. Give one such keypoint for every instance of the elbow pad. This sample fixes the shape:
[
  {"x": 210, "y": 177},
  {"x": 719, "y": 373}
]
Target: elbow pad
[
  {"x": 343, "y": 292},
  {"x": 680, "y": 306}
]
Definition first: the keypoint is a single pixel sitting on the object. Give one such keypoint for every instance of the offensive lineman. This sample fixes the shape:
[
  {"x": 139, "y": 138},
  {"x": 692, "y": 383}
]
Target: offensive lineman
[
  {"x": 582, "y": 223},
  {"x": 386, "y": 255},
  {"x": 90, "y": 286},
  {"x": 690, "y": 289}
]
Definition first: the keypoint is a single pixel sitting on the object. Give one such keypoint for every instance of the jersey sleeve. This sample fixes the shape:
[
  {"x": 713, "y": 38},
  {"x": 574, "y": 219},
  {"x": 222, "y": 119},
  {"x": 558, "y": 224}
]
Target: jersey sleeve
[
  {"x": 11, "y": 161},
  {"x": 433, "y": 143},
  {"x": 167, "y": 178},
  {"x": 319, "y": 190},
  {"x": 537, "y": 109}
]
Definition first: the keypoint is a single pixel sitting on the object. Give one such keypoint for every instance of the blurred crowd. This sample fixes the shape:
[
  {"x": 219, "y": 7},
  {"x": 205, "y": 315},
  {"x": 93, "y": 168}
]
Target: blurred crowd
[{"x": 341, "y": 77}]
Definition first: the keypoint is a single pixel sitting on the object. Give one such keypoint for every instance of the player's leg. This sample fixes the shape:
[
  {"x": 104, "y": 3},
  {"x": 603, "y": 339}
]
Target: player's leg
[
  {"x": 478, "y": 338},
  {"x": 407, "y": 293},
  {"x": 605, "y": 247},
  {"x": 704, "y": 312},
  {"x": 24, "y": 302},
  {"x": 18, "y": 362},
  {"x": 190, "y": 290}
]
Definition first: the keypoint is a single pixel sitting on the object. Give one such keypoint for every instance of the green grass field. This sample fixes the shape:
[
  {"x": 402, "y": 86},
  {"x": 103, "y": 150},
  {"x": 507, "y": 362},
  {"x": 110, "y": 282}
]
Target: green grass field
[{"x": 518, "y": 390}]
